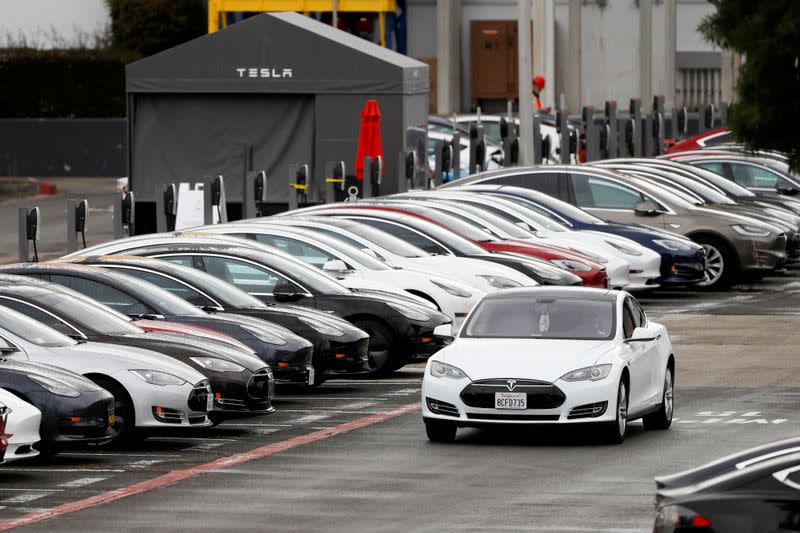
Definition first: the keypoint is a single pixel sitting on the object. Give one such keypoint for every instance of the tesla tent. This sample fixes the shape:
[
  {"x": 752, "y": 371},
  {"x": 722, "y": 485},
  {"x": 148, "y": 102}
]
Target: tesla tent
[{"x": 290, "y": 86}]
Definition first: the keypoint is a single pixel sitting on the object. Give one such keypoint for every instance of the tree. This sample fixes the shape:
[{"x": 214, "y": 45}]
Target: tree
[
  {"x": 766, "y": 115},
  {"x": 150, "y": 26}
]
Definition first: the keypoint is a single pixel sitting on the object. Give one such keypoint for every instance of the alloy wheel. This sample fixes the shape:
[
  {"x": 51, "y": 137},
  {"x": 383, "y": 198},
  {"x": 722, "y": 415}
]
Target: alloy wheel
[
  {"x": 669, "y": 395},
  {"x": 715, "y": 265},
  {"x": 622, "y": 409}
]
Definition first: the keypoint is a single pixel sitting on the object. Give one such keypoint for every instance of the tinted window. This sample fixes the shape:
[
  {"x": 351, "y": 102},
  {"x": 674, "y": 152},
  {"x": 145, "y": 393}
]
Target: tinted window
[
  {"x": 35, "y": 313},
  {"x": 716, "y": 168},
  {"x": 411, "y": 237},
  {"x": 115, "y": 299},
  {"x": 592, "y": 191},
  {"x": 546, "y": 182},
  {"x": 31, "y": 330},
  {"x": 245, "y": 276},
  {"x": 175, "y": 287},
  {"x": 628, "y": 322},
  {"x": 305, "y": 252}
]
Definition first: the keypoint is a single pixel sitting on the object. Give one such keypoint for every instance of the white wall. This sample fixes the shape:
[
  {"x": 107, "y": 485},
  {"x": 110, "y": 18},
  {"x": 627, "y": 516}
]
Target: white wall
[{"x": 38, "y": 21}]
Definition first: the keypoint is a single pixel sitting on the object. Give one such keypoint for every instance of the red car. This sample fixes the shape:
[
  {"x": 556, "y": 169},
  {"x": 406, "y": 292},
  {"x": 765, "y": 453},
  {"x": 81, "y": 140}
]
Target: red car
[
  {"x": 701, "y": 140},
  {"x": 592, "y": 274}
]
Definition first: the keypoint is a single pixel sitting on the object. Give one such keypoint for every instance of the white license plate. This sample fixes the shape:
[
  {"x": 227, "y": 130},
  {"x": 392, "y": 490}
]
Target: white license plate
[
  {"x": 311, "y": 375},
  {"x": 510, "y": 400}
]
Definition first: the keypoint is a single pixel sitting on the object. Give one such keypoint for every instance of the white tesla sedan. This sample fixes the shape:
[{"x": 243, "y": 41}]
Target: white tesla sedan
[
  {"x": 557, "y": 355},
  {"x": 22, "y": 428}
]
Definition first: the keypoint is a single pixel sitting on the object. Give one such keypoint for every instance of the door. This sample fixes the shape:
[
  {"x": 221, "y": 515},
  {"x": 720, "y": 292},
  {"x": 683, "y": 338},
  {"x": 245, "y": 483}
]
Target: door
[
  {"x": 612, "y": 200},
  {"x": 644, "y": 359},
  {"x": 493, "y": 56}
]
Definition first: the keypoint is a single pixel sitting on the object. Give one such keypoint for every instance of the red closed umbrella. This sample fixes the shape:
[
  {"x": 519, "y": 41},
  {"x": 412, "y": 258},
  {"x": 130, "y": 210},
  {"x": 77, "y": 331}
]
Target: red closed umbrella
[{"x": 369, "y": 136}]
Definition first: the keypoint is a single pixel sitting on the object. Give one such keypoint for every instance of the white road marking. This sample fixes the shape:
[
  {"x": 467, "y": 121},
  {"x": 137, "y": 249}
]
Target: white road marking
[
  {"x": 144, "y": 463},
  {"x": 206, "y": 445},
  {"x": 2, "y": 489},
  {"x": 82, "y": 482},
  {"x": 309, "y": 418},
  {"x": 320, "y": 398},
  {"x": 26, "y": 497},
  {"x": 22, "y": 469},
  {"x": 404, "y": 392},
  {"x": 258, "y": 425},
  {"x": 191, "y": 438},
  {"x": 112, "y": 454},
  {"x": 357, "y": 405}
]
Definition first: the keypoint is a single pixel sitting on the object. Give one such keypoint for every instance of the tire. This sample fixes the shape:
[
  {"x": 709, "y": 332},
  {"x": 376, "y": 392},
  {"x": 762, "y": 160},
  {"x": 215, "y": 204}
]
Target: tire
[
  {"x": 662, "y": 419},
  {"x": 124, "y": 418},
  {"x": 440, "y": 431},
  {"x": 614, "y": 432},
  {"x": 215, "y": 418},
  {"x": 383, "y": 358},
  {"x": 721, "y": 265}
]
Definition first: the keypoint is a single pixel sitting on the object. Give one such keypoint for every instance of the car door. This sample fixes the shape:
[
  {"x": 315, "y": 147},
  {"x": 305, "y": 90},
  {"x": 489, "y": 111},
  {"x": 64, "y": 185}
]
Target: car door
[
  {"x": 612, "y": 200},
  {"x": 639, "y": 355},
  {"x": 757, "y": 178},
  {"x": 655, "y": 357}
]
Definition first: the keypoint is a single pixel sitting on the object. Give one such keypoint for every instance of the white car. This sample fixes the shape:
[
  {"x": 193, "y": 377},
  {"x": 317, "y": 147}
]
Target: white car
[
  {"x": 629, "y": 265},
  {"x": 22, "y": 427},
  {"x": 150, "y": 389},
  {"x": 347, "y": 264},
  {"x": 482, "y": 275},
  {"x": 551, "y": 355}
]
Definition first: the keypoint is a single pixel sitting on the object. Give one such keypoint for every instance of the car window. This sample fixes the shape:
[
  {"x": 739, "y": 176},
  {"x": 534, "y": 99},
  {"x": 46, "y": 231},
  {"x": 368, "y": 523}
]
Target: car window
[
  {"x": 410, "y": 236},
  {"x": 638, "y": 313},
  {"x": 310, "y": 254},
  {"x": 116, "y": 299},
  {"x": 175, "y": 287},
  {"x": 592, "y": 191},
  {"x": 31, "y": 330},
  {"x": 351, "y": 242},
  {"x": 184, "y": 260},
  {"x": 546, "y": 182},
  {"x": 34, "y": 312},
  {"x": 628, "y": 323},
  {"x": 248, "y": 277},
  {"x": 764, "y": 178},
  {"x": 716, "y": 168}
]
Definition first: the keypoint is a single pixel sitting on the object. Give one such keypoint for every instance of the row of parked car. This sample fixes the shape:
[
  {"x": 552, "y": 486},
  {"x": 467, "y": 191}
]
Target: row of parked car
[{"x": 192, "y": 328}]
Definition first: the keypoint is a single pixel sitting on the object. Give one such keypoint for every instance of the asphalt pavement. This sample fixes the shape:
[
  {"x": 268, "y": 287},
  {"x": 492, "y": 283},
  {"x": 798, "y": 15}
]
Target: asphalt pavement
[{"x": 353, "y": 455}]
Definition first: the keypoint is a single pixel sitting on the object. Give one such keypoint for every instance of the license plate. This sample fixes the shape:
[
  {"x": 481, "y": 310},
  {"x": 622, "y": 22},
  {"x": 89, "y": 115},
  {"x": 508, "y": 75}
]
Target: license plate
[
  {"x": 510, "y": 400},
  {"x": 311, "y": 375}
]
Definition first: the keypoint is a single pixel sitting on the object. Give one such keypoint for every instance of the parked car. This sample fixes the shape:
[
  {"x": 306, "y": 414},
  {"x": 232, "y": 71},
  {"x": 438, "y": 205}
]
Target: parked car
[
  {"x": 240, "y": 382},
  {"x": 760, "y": 175},
  {"x": 682, "y": 261},
  {"x": 400, "y": 330},
  {"x": 340, "y": 349},
  {"x": 734, "y": 244},
  {"x": 561, "y": 356},
  {"x": 22, "y": 426},
  {"x": 702, "y": 140},
  {"x": 139, "y": 299},
  {"x": 150, "y": 390}
]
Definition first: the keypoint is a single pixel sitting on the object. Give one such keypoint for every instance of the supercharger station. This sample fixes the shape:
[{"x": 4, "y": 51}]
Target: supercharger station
[
  {"x": 29, "y": 228},
  {"x": 254, "y": 193},
  {"x": 455, "y": 146},
  {"x": 510, "y": 139},
  {"x": 477, "y": 147},
  {"x": 77, "y": 214},
  {"x": 166, "y": 207},
  {"x": 611, "y": 144},
  {"x": 635, "y": 142},
  {"x": 124, "y": 216},
  {"x": 298, "y": 184},
  {"x": 708, "y": 117},
  {"x": 564, "y": 144},
  {"x": 680, "y": 123},
  {"x": 373, "y": 175},
  {"x": 591, "y": 135},
  {"x": 657, "y": 126},
  {"x": 443, "y": 158},
  {"x": 335, "y": 182}
]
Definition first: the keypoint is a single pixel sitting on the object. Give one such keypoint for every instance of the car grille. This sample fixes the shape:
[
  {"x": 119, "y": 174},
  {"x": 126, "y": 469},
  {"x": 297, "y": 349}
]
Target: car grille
[
  {"x": 258, "y": 386},
  {"x": 494, "y": 416},
  {"x": 589, "y": 410},
  {"x": 541, "y": 394},
  {"x": 199, "y": 396},
  {"x": 442, "y": 408}
]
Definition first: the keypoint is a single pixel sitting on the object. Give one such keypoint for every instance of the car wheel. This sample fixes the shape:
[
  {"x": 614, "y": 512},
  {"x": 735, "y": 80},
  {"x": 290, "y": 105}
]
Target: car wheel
[
  {"x": 720, "y": 264},
  {"x": 124, "y": 420},
  {"x": 615, "y": 431},
  {"x": 662, "y": 418},
  {"x": 440, "y": 431},
  {"x": 381, "y": 358}
]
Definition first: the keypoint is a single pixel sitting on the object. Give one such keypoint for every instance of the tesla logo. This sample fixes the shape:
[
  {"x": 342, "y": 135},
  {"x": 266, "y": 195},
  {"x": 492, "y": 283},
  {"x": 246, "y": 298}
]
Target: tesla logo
[
  {"x": 264, "y": 72},
  {"x": 511, "y": 384}
]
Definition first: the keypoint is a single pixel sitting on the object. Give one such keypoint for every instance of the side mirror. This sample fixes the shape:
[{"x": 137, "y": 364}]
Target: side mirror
[
  {"x": 786, "y": 188},
  {"x": 524, "y": 225},
  {"x": 335, "y": 265},
  {"x": 646, "y": 208},
  {"x": 443, "y": 332},
  {"x": 6, "y": 347},
  {"x": 643, "y": 335},
  {"x": 286, "y": 292}
]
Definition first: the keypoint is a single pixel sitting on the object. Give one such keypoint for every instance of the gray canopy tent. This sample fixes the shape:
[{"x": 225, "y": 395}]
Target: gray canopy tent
[{"x": 290, "y": 86}]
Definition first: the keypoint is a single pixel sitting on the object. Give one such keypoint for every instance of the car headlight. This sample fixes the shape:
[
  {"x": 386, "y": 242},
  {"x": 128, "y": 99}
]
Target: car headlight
[
  {"x": 321, "y": 327},
  {"x": 217, "y": 365},
  {"x": 591, "y": 257},
  {"x": 56, "y": 387},
  {"x": 154, "y": 377},
  {"x": 675, "y": 246},
  {"x": 266, "y": 336},
  {"x": 443, "y": 370},
  {"x": 569, "y": 264},
  {"x": 455, "y": 291},
  {"x": 624, "y": 249},
  {"x": 499, "y": 282},
  {"x": 750, "y": 231},
  {"x": 589, "y": 373},
  {"x": 409, "y": 312}
]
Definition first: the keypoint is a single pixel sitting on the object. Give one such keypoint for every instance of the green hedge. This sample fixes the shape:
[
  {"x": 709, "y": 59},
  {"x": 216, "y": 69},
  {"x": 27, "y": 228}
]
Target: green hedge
[{"x": 62, "y": 83}]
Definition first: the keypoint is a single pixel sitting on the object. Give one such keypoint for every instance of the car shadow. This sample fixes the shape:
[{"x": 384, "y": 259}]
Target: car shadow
[{"x": 541, "y": 435}]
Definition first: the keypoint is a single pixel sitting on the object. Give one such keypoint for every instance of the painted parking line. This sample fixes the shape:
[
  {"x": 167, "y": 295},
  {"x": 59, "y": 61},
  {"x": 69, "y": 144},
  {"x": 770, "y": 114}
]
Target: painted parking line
[
  {"x": 730, "y": 417},
  {"x": 26, "y": 497},
  {"x": 310, "y": 418},
  {"x": 64, "y": 470},
  {"x": 144, "y": 463},
  {"x": 224, "y": 462},
  {"x": 82, "y": 482}
]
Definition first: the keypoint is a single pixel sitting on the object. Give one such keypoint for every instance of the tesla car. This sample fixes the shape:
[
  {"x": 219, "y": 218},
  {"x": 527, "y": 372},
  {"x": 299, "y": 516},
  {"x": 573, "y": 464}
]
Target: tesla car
[
  {"x": 22, "y": 426},
  {"x": 343, "y": 262},
  {"x": 340, "y": 349},
  {"x": 759, "y": 174},
  {"x": 557, "y": 355},
  {"x": 400, "y": 330},
  {"x": 140, "y": 299},
  {"x": 151, "y": 391},
  {"x": 702, "y": 140},
  {"x": 682, "y": 261},
  {"x": 733, "y": 243},
  {"x": 240, "y": 382}
]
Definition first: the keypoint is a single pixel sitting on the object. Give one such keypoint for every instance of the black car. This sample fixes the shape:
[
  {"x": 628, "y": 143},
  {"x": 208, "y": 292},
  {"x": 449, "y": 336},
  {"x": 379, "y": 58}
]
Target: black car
[
  {"x": 340, "y": 349},
  {"x": 75, "y": 411},
  {"x": 755, "y": 491},
  {"x": 288, "y": 355},
  {"x": 240, "y": 382},
  {"x": 400, "y": 330}
]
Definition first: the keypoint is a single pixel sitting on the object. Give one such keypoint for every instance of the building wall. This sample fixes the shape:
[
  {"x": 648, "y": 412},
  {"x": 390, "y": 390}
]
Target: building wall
[{"x": 52, "y": 23}]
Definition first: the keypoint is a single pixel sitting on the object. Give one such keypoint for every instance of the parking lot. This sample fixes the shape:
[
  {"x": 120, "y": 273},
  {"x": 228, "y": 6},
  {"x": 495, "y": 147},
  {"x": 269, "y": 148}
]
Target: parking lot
[{"x": 353, "y": 454}]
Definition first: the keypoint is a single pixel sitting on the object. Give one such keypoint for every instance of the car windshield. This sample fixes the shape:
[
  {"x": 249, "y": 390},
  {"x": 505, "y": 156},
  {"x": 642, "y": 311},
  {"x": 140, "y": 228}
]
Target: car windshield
[
  {"x": 542, "y": 318},
  {"x": 382, "y": 239},
  {"x": 32, "y": 330},
  {"x": 455, "y": 243},
  {"x": 518, "y": 212},
  {"x": 453, "y": 223},
  {"x": 716, "y": 180},
  {"x": 562, "y": 208},
  {"x": 152, "y": 295},
  {"x": 84, "y": 314},
  {"x": 480, "y": 216},
  {"x": 300, "y": 272}
]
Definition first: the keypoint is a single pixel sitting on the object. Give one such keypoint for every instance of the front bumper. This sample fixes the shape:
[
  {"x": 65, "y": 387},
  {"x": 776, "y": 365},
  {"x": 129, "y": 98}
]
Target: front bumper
[
  {"x": 644, "y": 272},
  {"x": 292, "y": 366},
  {"x": 465, "y": 403},
  {"x": 345, "y": 357},
  {"x": 242, "y": 393},
  {"x": 81, "y": 420},
  {"x": 25, "y": 433},
  {"x": 420, "y": 342},
  {"x": 682, "y": 269},
  {"x": 173, "y": 406},
  {"x": 762, "y": 254}
]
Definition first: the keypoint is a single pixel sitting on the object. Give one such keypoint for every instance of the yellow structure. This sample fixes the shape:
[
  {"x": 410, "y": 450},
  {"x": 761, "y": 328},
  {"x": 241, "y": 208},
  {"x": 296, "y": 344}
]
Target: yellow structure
[{"x": 218, "y": 8}]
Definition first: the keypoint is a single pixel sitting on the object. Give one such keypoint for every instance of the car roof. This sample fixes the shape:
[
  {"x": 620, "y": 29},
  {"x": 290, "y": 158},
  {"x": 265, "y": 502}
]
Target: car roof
[{"x": 587, "y": 293}]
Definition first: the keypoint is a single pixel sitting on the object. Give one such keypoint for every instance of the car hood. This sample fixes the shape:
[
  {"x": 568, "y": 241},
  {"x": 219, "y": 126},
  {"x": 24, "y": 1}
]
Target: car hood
[
  {"x": 76, "y": 381},
  {"x": 542, "y": 359},
  {"x": 182, "y": 346},
  {"x": 114, "y": 358}
]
